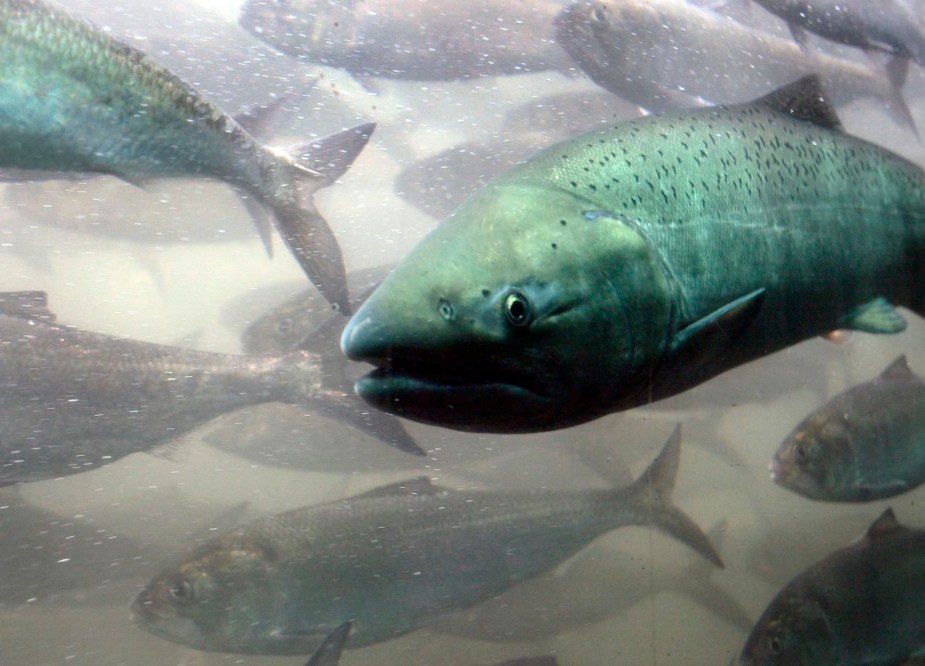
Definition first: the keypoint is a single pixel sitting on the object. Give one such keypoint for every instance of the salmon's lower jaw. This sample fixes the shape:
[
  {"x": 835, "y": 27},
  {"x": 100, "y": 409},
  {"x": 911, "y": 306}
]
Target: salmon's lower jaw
[{"x": 464, "y": 405}]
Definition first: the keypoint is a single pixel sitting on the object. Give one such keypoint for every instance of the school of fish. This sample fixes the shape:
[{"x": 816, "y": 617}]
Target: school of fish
[{"x": 692, "y": 206}]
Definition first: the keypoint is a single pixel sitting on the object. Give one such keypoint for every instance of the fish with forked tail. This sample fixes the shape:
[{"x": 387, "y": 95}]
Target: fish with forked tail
[
  {"x": 629, "y": 264},
  {"x": 620, "y": 45},
  {"x": 860, "y": 606},
  {"x": 390, "y": 561},
  {"x": 865, "y": 444},
  {"x": 885, "y": 25},
  {"x": 74, "y": 99},
  {"x": 73, "y": 400}
]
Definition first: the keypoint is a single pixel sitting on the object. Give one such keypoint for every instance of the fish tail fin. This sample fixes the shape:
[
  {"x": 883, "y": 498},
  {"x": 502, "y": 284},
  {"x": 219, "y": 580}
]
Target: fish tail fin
[
  {"x": 897, "y": 69},
  {"x": 695, "y": 581},
  {"x": 654, "y": 488},
  {"x": 349, "y": 409},
  {"x": 311, "y": 240},
  {"x": 307, "y": 234},
  {"x": 328, "y": 158}
]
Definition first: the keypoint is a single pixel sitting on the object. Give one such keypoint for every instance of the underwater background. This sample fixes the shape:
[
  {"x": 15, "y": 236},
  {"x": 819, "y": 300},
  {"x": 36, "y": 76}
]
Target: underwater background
[{"x": 178, "y": 262}]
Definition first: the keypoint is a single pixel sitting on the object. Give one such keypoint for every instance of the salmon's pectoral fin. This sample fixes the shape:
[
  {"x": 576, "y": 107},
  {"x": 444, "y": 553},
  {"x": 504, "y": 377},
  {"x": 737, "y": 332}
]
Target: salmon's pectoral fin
[
  {"x": 709, "y": 336},
  {"x": 876, "y": 316},
  {"x": 328, "y": 653}
]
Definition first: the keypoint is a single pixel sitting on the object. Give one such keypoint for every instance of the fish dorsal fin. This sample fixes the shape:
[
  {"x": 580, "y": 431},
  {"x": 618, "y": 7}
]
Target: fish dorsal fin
[
  {"x": 328, "y": 653},
  {"x": 898, "y": 369},
  {"x": 419, "y": 485},
  {"x": 804, "y": 99},
  {"x": 27, "y": 304},
  {"x": 885, "y": 524}
]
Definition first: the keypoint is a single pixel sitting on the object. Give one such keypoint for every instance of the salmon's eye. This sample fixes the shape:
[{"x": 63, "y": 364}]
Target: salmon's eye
[{"x": 517, "y": 309}]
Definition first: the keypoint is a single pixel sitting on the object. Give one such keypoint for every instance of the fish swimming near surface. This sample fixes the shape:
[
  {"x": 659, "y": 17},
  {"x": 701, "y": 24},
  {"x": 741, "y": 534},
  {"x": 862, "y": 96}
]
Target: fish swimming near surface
[
  {"x": 859, "y": 606},
  {"x": 74, "y": 99},
  {"x": 865, "y": 444},
  {"x": 885, "y": 25},
  {"x": 73, "y": 400},
  {"x": 401, "y": 39},
  {"x": 662, "y": 54},
  {"x": 391, "y": 560},
  {"x": 627, "y": 265}
]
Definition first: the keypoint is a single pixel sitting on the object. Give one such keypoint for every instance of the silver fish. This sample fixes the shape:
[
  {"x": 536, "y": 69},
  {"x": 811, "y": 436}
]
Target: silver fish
[
  {"x": 865, "y": 444},
  {"x": 73, "y": 400},
  {"x": 885, "y": 25},
  {"x": 857, "y": 607},
  {"x": 402, "y": 39},
  {"x": 391, "y": 560},
  {"x": 661, "y": 54}
]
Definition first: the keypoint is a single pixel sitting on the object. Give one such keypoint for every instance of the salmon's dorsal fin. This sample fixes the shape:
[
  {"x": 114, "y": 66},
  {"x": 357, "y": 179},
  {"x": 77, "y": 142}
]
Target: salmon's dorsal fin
[{"x": 805, "y": 100}]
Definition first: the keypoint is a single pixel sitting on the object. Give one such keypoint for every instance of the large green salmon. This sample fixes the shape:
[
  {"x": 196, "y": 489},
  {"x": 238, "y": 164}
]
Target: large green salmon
[
  {"x": 74, "y": 99},
  {"x": 391, "y": 560},
  {"x": 629, "y": 264}
]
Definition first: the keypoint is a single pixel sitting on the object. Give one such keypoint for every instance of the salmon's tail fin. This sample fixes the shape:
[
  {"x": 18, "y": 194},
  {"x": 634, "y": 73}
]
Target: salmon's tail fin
[
  {"x": 654, "y": 488},
  {"x": 318, "y": 164}
]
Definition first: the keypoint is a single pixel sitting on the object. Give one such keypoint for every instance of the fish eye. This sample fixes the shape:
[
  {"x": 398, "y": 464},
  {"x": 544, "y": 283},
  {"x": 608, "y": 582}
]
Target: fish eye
[
  {"x": 517, "y": 308},
  {"x": 800, "y": 455},
  {"x": 182, "y": 591},
  {"x": 284, "y": 325},
  {"x": 775, "y": 647}
]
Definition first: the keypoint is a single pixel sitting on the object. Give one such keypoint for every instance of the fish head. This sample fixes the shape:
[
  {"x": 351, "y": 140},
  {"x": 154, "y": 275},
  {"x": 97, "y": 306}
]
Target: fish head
[
  {"x": 529, "y": 308},
  {"x": 281, "y": 329},
  {"x": 817, "y": 459},
  {"x": 604, "y": 36},
  {"x": 220, "y": 599},
  {"x": 794, "y": 630},
  {"x": 317, "y": 27}
]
